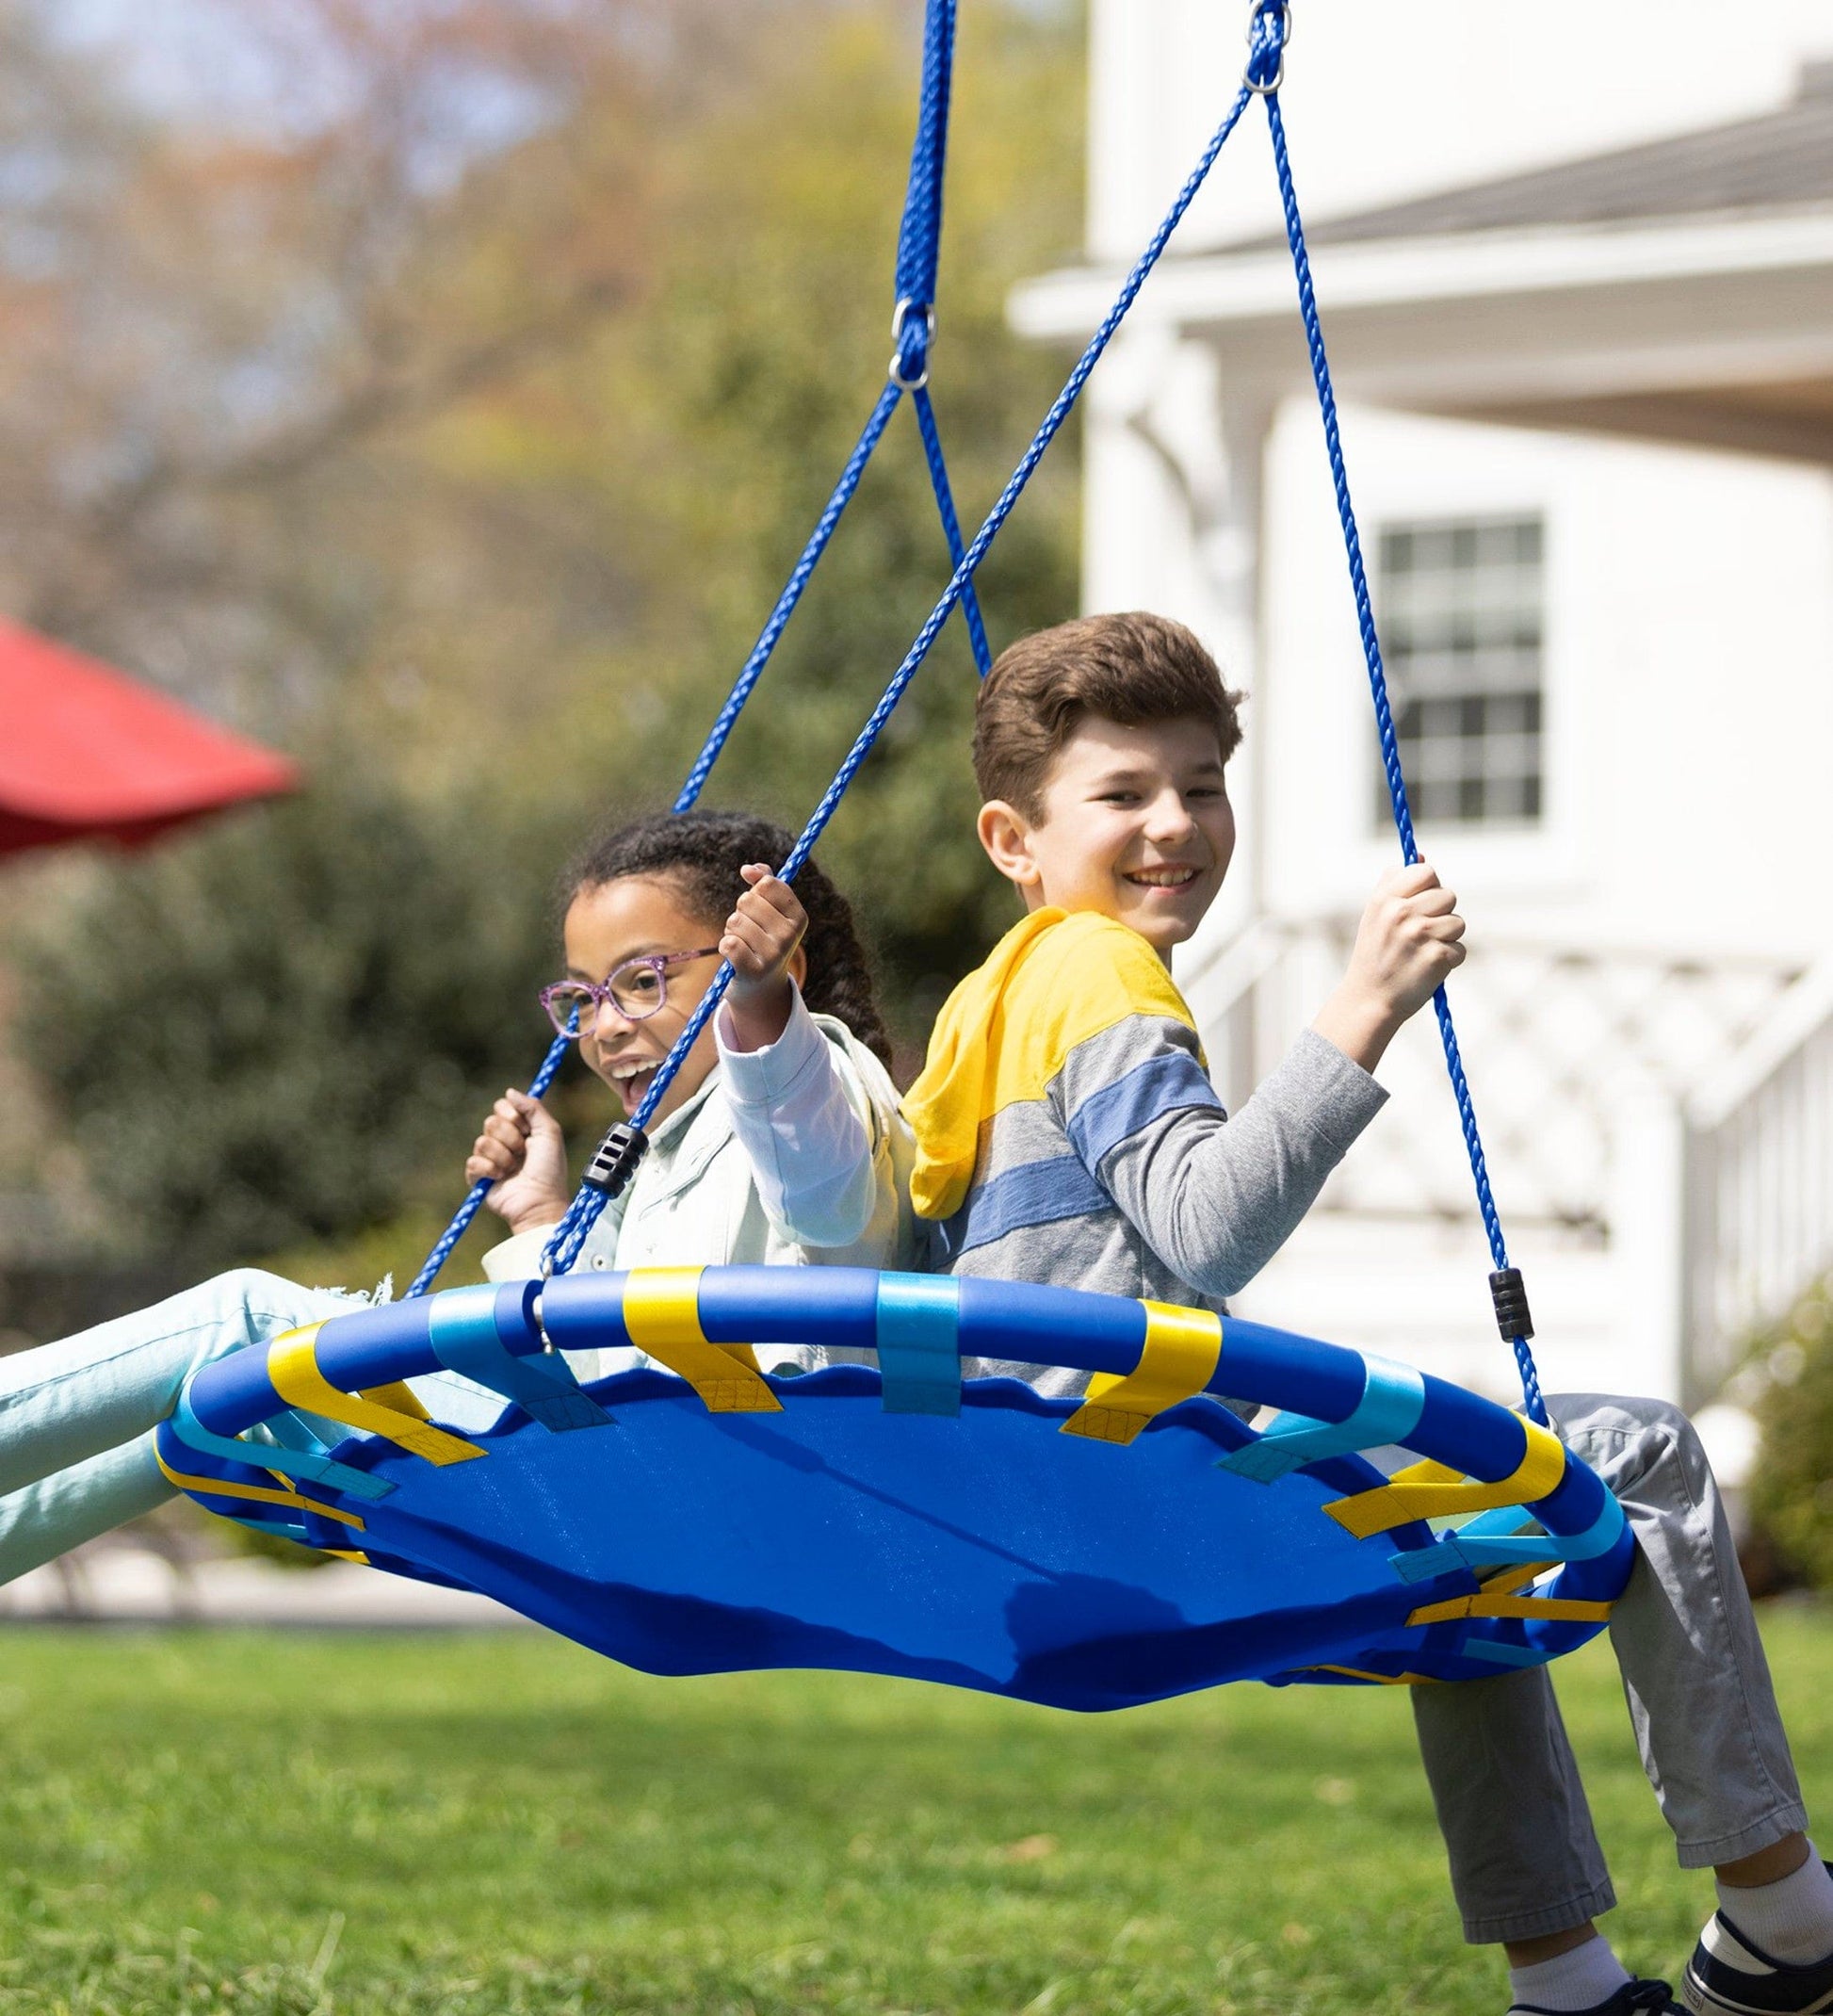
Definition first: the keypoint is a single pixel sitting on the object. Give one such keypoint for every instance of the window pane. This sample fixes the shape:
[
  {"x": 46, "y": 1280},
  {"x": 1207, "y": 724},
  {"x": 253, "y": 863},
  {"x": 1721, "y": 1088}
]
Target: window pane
[{"x": 1460, "y": 604}]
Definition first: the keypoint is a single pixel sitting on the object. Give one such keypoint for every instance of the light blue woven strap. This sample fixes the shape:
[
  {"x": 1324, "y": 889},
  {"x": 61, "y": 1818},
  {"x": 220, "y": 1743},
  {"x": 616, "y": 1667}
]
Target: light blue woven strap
[
  {"x": 461, "y": 1328},
  {"x": 1393, "y": 1397},
  {"x": 919, "y": 1344},
  {"x": 295, "y": 1450},
  {"x": 1495, "y": 1539},
  {"x": 281, "y": 1529},
  {"x": 1499, "y": 1652}
]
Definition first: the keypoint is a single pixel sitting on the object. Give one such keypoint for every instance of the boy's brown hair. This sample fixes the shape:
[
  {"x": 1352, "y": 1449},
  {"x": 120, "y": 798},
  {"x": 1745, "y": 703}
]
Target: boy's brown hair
[{"x": 1135, "y": 669}]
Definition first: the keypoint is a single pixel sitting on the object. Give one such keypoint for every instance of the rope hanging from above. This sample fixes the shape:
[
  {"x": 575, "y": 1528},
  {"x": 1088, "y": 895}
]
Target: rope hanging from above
[
  {"x": 913, "y": 334},
  {"x": 1269, "y": 32}
]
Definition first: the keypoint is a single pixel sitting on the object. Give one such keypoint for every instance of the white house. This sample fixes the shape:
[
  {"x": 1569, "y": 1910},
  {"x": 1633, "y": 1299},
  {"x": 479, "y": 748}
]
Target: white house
[{"x": 1575, "y": 266}]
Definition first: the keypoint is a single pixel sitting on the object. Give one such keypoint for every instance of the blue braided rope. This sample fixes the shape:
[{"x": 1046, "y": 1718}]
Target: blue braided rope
[
  {"x": 1268, "y": 53},
  {"x": 919, "y": 235},
  {"x": 570, "y": 1236},
  {"x": 918, "y": 250},
  {"x": 792, "y": 594},
  {"x": 920, "y": 239},
  {"x": 475, "y": 1197},
  {"x": 944, "y": 504}
]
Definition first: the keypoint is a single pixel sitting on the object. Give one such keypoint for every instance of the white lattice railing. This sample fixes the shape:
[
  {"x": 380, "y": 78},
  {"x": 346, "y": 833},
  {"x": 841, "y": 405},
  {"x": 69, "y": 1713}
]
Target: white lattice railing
[
  {"x": 1553, "y": 1037},
  {"x": 1672, "y": 1115},
  {"x": 1759, "y": 1179}
]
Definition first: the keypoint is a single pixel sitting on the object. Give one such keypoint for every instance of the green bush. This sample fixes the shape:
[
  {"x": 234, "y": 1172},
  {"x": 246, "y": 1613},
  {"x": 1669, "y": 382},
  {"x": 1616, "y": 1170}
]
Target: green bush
[
  {"x": 275, "y": 1033},
  {"x": 1792, "y": 1489}
]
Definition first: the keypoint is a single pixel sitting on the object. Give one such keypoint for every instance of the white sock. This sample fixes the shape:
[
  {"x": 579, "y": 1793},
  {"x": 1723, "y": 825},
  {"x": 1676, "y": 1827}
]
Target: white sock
[
  {"x": 1790, "y": 1920},
  {"x": 1572, "y": 1981}
]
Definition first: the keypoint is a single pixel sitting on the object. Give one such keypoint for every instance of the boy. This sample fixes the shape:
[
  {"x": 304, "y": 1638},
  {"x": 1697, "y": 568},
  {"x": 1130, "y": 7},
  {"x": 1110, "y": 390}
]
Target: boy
[{"x": 1066, "y": 1130}]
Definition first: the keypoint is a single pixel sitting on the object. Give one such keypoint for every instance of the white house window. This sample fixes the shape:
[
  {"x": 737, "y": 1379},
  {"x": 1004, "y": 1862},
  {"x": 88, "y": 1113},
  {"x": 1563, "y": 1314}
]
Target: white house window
[{"x": 1460, "y": 603}]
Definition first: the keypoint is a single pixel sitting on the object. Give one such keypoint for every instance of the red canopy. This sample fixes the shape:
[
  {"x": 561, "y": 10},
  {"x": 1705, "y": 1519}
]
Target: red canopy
[{"x": 85, "y": 751}]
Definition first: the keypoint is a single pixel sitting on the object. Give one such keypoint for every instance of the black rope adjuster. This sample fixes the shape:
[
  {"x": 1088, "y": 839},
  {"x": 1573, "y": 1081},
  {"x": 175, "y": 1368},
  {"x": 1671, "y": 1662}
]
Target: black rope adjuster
[
  {"x": 616, "y": 1159},
  {"x": 1509, "y": 1292}
]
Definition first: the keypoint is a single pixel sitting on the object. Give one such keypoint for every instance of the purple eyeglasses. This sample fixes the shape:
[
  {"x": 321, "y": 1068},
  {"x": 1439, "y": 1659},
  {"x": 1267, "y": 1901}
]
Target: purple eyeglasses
[{"x": 637, "y": 989}]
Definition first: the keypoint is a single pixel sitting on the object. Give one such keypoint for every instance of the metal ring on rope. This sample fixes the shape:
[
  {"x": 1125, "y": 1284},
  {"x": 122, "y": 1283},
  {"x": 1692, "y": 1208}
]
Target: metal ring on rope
[
  {"x": 1269, "y": 30},
  {"x": 898, "y": 372}
]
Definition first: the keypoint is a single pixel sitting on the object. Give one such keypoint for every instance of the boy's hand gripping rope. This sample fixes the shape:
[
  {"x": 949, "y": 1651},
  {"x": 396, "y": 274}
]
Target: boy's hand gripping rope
[{"x": 1269, "y": 31}]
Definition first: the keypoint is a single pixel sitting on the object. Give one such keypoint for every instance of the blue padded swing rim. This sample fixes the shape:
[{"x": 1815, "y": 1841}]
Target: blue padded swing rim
[
  {"x": 840, "y": 1308},
  {"x": 466, "y": 1327},
  {"x": 922, "y": 1325},
  {"x": 1393, "y": 1398},
  {"x": 289, "y": 1456}
]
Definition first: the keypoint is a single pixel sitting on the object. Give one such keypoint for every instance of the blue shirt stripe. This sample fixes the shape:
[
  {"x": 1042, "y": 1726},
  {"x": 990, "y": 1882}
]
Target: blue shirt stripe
[
  {"x": 1036, "y": 1193},
  {"x": 1162, "y": 1084}
]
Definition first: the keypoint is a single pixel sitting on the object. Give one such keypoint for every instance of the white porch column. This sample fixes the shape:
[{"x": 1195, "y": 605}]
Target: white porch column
[
  {"x": 1173, "y": 499},
  {"x": 1647, "y": 1240}
]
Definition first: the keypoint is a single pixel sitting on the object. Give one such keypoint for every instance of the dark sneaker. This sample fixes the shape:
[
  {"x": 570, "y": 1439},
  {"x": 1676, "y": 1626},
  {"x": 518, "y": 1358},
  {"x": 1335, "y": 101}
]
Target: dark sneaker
[
  {"x": 1632, "y": 1996},
  {"x": 1730, "y": 1975}
]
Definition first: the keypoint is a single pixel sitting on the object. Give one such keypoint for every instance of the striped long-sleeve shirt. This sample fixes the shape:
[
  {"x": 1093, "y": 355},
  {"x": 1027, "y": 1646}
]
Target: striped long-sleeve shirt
[{"x": 1067, "y": 1131}]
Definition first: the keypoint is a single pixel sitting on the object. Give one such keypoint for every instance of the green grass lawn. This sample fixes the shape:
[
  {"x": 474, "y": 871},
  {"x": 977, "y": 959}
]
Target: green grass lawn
[{"x": 201, "y": 1820}]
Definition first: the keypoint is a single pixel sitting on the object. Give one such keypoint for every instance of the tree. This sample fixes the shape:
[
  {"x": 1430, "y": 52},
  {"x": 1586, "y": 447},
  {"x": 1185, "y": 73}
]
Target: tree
[
  {"x": 1789, "y": 1381},
  {"x": 490, "y": 468},
  {"x": 278, "y": 1030},
  {"x": 729, "y": 405}
]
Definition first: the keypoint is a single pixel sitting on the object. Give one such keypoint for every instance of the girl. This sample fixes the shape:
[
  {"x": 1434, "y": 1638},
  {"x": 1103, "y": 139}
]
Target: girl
[{"x": 780, "y": 1140}]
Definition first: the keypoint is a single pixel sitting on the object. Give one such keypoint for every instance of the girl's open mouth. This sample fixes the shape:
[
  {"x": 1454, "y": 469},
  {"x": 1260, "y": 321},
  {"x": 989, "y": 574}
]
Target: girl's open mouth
[{"x": 630, "y": 1079}]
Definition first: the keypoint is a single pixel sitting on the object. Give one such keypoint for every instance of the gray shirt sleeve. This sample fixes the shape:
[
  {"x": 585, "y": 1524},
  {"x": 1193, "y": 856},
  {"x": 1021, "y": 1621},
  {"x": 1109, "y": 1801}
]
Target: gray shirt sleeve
[{"x": 1215, "y": 1198}]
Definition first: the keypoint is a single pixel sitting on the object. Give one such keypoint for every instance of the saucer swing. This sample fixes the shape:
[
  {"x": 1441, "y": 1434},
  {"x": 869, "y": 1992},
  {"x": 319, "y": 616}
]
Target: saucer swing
[{"x": 710, "y": 1517}]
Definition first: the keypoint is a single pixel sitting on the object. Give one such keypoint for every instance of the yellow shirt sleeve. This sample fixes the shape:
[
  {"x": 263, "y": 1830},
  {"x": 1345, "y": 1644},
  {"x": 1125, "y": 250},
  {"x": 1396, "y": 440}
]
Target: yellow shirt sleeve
[{"x": 1051, "y": 982}]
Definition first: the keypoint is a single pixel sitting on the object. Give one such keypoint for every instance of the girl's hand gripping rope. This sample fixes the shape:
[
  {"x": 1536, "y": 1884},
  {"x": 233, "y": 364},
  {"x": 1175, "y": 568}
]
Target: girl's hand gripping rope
[
  {"x": 763, "y": 943},
  {"x": 522, "y": 1154}
]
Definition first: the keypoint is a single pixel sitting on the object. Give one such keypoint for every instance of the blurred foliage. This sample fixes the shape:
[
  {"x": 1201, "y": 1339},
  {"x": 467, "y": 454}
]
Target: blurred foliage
[
  {"x": 275, "y": 1030},
  {"x": 1789, "y": 1384},
  {"x": 389, "y": 1250},
  {"x": 483, "y": 446},
  {"x": 793, "y": 203}
]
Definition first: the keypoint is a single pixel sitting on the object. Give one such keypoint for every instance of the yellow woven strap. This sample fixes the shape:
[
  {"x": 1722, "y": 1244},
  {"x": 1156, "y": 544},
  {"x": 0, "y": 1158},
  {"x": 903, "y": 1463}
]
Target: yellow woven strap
[
  {"x": 1377, "y": 1679},
  {"x": 400, "y": 1396},
  {"x": 1182, "y": 1350},
  {"x": 1555, "y": 1609},
  {"x": 293, "y": 1369},
  {"x": 222, "y": 1487},
  {"x": 661, "y": 1313},
  {"x": 1497, "y": 1597},
  {"x": 1431, "y": 1491}
]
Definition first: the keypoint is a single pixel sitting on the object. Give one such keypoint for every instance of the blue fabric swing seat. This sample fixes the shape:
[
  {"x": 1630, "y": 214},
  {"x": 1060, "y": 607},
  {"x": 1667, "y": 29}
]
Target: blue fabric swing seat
[{"x": 1140, "y": 1543}]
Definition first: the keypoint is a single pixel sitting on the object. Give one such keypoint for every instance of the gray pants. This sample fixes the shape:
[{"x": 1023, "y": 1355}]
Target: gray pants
[{"x": 1524, "y": 1857}]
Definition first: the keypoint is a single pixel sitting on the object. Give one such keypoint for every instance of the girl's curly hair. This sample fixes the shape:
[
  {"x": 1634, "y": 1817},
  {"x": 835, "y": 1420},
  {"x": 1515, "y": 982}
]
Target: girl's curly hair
[{"x": 700, "y": 853}]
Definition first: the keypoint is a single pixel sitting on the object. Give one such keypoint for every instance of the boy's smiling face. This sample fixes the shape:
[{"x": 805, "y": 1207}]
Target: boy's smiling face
[{"x": 1135, "y": 823}]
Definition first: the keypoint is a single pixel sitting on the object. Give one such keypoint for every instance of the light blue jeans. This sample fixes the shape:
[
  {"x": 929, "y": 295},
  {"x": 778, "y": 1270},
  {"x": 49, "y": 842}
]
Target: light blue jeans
[{"x": 77, "y": 1417}]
